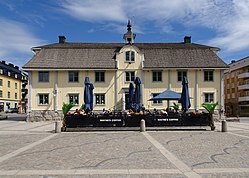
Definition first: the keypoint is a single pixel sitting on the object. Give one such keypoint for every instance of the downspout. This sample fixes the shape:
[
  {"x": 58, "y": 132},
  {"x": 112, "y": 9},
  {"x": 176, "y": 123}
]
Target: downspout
[{"x": 196, "y": 90}]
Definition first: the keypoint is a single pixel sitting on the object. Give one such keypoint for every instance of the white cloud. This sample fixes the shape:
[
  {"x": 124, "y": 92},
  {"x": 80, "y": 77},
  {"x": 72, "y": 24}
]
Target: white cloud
[
  {"x": 94, "y": 10},
  {"x": 227, "y": 18},
  {"x": 16, "y": 38}
]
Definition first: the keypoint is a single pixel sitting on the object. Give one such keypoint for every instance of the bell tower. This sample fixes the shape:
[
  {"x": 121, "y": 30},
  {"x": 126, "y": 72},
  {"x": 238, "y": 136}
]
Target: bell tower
[{"x": 129, "y": 36}]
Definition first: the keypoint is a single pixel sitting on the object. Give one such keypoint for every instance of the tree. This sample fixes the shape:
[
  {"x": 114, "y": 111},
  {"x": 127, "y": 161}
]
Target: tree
[
  {"x": 66, "y": 107},
  {"x": 210, "y": 107}
]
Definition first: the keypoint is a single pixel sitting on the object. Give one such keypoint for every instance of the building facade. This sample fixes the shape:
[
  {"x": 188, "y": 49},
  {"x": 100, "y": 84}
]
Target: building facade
[
  {"x": 57, "y": 72},
  {"x": 237, "y": 88},
  {"x": 10, "y": 86}
]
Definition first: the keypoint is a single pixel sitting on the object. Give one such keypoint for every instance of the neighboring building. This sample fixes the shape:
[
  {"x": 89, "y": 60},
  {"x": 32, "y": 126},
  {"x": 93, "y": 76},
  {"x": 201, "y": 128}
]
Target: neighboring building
[
  {"x": 237, "y": 88},
  {"x": 24, "y": 90},
  {"x": 10, "y": 86},
  {"x": 57, "y": 72}
]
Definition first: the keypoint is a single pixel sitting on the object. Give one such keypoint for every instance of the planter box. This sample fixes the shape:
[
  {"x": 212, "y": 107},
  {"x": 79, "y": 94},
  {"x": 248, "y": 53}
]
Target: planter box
[
  {"x": 202, "y": 119},
  {"x": 109, "y": 120},
  {"x": 73, "y": 121},
  {"x": 168, "y": 120}
]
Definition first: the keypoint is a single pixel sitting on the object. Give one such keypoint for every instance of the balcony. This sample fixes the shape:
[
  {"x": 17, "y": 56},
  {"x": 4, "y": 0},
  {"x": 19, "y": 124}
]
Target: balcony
[
  {"x": 24, "y": 91},
  {"x": 244, "y": 98},
  {"x": 244, "y": 87},
  {"x": 244, "y": 75}
]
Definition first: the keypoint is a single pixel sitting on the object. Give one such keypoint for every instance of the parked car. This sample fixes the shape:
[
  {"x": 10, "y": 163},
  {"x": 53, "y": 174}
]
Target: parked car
[{"x": 12, "y": 110}]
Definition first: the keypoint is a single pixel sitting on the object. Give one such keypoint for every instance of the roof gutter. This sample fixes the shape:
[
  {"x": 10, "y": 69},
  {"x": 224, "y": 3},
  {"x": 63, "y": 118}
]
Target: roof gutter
[{"x": 76, "y": 69}]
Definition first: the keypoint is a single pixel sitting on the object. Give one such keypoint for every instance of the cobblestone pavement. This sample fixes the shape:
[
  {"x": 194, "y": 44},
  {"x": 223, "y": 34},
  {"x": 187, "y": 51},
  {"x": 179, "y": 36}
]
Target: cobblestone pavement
[{"x": 33, "y": 150}]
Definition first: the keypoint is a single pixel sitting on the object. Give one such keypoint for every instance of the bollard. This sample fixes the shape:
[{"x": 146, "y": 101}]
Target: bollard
[
  {"x": 57, "y": 127},
  {"x": 142, "y": 126},
  {"x": 224, "y": 126}
]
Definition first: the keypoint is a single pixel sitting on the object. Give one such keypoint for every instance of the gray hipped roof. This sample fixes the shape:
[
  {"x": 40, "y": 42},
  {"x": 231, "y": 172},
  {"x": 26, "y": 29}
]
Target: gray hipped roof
[{"x": 102, "y": 56}]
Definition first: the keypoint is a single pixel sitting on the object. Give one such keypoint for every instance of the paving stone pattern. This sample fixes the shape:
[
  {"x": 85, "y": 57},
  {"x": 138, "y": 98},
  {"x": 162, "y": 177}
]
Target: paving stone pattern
[{"x": 33, "y": 150}]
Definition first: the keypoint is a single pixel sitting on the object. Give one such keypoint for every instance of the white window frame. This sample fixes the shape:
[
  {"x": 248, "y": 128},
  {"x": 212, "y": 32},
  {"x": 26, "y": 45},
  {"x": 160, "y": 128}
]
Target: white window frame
[
  {"x": 42, "y": 78},
  {"x": 43, "y": 102},
  {"x": 8, "y": 94},
  {"x": 157, "y": 76},
  {"x": 98, "y": 75},
  {"x": 1, "y": 93},
  {"x": 1, "y": 82},
  {"x": 130, "y": 76},
  {"x": 75, "y": 76},
  {"x": 129, "y": 55},
  {"x": 180, "y": 74},
  {"x": 15, "y": 85},
  {"x": 208, "y": 79},
  {"x": 74, "y": 95},
  {"x": 8, "y": 84},
  {"x": 98, "y": 100},
  {"x": 208, "y": 97}
]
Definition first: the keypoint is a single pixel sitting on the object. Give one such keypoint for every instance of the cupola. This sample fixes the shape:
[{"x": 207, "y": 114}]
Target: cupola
[{"x": 129, "y": 36}]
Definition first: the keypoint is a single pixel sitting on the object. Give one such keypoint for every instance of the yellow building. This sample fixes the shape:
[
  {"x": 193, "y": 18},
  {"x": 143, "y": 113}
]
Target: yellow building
[
  {"x": 10, "y": 86},
  {"x": 57, "y": 72}
]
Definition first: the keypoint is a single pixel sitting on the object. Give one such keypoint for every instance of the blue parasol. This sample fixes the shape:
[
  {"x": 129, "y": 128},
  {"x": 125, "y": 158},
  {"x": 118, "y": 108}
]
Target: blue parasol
[
  {"x": 87, "y": 94},
  {"x": 185, "y": 99},
  {"x": 137, "y": 94}
]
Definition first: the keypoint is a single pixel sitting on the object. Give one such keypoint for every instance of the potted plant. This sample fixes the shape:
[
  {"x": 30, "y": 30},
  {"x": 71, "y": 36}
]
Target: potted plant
[
  {"x": 210, "y": 107},
  {"x": 65, "y": 109},
  {"x": 176, "y": 107}
]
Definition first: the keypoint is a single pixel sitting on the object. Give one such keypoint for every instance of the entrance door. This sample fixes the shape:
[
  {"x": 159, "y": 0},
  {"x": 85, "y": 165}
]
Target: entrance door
[{"x": 127, "y": 101}]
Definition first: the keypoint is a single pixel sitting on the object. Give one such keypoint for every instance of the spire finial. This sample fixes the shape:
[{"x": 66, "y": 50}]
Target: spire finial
[
  {"x": 129, "y": 25},
  {"x": 129, "y": 36}
]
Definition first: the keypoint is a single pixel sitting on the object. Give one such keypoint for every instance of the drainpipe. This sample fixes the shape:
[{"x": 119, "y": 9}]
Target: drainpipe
[
  {"x": 196, "y": 90},
  {"x": 56, "y": 92}
]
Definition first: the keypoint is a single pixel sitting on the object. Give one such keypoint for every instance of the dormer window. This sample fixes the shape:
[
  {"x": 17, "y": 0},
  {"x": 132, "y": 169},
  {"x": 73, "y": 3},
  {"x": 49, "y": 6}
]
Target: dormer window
[{"x": 130, "y": 56}]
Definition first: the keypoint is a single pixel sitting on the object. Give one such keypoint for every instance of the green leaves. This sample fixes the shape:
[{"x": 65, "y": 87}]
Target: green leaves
[
  {"x": 176, "y": 106},
  {"x": 210, "y": 107},
  {"x": 66, "y": 107}
]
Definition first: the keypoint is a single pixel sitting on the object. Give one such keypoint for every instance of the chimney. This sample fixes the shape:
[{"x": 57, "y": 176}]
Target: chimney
[
  {"x": 62, "y": 39},
  {"x": 233, "y": 61},
  {"x": 16, "y": 67},
  {"x": 3, "y": 62},
  {"x": 187, "y": 39}
]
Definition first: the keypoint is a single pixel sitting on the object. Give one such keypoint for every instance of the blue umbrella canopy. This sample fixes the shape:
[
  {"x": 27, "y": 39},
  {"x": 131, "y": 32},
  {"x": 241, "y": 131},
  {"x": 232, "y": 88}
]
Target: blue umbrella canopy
[
  {"x": 87, "y": 95},
  {"x": 131, "y": 94},
  {"x": 167, "y": 95},
  {"x": 91, "y": 95},
  {"x": 137, "y": 93},
  {"x": 185, "y": 99}
]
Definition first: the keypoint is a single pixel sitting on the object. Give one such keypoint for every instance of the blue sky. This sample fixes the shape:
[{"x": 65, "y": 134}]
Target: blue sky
[{"x": 28, "y": 23}]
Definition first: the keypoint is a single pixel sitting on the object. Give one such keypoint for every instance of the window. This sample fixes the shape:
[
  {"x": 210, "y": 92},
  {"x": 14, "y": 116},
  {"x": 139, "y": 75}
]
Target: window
[
  {"x": 73, "y": 76},
  {"x": 9, "y": 84},
  {"x": 1, "y": 93},
  {"x": 8, "y": 94},
  {"x": 9, "y": 73},
  {"x": 208, "y": 76},
  {"x": 74, "y": 98},
  {"x": 157, "y": 76},
  {"x": 43, "y": 99},
  {"x": 15, "y": 85},
  {"x": 1, "y": 82},
  {"x": 1, "y": 71},
  {"x": 181, "y": 75},
  {"x": 209, "y": 97},
  {"x": 43, "y": 77},
  {"x": 130, "y": 56},
  {"x": 156, "y": 101},
  {"x": 15, "y": 75},
  {"x": 129, "y": 76},
  {"x": 100, "y": 99},
  {"x": 15, "y": 95},
  {"x": 99, "y": 76}
]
